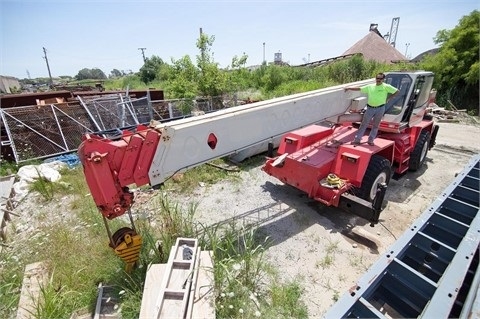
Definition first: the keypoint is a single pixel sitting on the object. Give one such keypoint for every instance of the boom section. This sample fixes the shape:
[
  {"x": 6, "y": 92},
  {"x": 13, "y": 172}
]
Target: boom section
[
  {"x": 151, "y": 154},
  {"x": 191, "y": 142}
]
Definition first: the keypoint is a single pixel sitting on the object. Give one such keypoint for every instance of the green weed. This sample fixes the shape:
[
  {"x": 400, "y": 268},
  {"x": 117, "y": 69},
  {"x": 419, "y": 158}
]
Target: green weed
[
  {"x": 325, "y": 262},
  {"x": 78, "y": 257}
]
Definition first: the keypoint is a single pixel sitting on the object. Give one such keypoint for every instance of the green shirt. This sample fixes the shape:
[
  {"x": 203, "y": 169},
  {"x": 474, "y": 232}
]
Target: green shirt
[{"x": 377, "y": 94}]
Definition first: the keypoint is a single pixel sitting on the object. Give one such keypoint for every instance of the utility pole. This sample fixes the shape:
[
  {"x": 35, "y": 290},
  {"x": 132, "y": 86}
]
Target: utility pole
[
  {"x": 263, "y": 52},
  {"x": 406, "y": 48},
  {"x": 48, "y": 67},
  {"x": 143, "y": 54},
  {"x": 203, "y": 45}
]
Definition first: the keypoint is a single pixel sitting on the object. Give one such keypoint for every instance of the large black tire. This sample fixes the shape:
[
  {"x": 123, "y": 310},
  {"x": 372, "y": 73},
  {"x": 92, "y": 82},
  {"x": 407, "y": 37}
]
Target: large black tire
[
  {"x": 419, "y": 154},
  {"x": 433, "y": 137},
  {"x": 378, "y": 171}
]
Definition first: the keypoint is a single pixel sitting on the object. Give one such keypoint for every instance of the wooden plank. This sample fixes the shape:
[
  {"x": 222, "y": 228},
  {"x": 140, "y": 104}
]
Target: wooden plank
[
  {"x": 453, "y": 106},
  {"x": 155, "y": 274},
  {"x": 3, "y": 225},
  {"x": 6, "y": 186},
  {"x": 34, "y": 278},
  {"x": 204, "y": 297}
]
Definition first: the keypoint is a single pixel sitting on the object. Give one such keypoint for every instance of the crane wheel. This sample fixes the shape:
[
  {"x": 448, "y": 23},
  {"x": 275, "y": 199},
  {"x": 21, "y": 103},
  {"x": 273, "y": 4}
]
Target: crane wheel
[
  {"x": 419, "y": 154},
  {"x": 378, "y": 171}
]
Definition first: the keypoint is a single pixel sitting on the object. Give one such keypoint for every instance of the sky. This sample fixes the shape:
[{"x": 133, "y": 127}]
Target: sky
[{"x": 109, "y": 34}]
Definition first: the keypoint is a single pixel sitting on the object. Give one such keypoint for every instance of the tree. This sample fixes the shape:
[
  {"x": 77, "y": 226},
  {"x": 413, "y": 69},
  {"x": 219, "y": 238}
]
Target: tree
[
  {"x": 238, "y": 62},
  {"x": 212, "y": 81},
  {"x": 184, "y": 83},
  {"x": 457, "y": 63},
  {"x": 239, "y": 78},
  {"x": 85, "y": 73},
  {"x": 148, "y": 72},
  {"x": 98, "y": 74},
  {"x": 116, "y": 73},
  {"x": 459, "y": 50}
]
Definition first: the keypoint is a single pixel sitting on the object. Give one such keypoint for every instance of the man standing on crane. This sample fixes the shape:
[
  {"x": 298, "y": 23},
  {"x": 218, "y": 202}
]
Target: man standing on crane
[{"x": 377, "y": 97}]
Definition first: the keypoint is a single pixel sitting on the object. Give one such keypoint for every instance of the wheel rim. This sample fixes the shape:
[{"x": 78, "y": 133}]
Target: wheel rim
[
  {"x": 381, "y": 178},
  {"x": 424, "y": 152}
]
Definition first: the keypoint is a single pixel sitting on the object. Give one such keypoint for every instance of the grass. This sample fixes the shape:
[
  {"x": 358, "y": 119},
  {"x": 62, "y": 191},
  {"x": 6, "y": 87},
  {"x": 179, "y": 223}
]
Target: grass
[
  {"x": 325, "y": 262},
  {"x": 358, "y": 262},
  {"x": 329, "y": 257},
  {"x": 206, "y": 174},
  {"x": 8, "y": 168},
  {"x": 75, "y": 248},
  {"x": 332, "y": 246}
]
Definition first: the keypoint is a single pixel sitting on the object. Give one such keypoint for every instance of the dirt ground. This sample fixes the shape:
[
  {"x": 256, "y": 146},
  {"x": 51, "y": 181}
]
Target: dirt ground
[{"x": 324, "y": 249}]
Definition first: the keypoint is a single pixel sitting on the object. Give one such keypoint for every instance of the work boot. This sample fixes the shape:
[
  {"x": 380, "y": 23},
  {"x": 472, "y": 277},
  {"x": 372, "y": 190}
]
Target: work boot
[
  {"x": 355, "y": 142},
  {"x": 371, "y": 143}
]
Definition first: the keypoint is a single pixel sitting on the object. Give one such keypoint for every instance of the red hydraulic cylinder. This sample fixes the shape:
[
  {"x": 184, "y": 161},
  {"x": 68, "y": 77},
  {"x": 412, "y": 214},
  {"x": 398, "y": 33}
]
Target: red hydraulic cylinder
[{"x": 110, "y": 166}]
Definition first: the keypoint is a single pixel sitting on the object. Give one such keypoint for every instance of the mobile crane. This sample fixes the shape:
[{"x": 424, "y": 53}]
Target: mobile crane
[
  {"x": 316, "y": 158},
  {"x": 321, "y": 161}
]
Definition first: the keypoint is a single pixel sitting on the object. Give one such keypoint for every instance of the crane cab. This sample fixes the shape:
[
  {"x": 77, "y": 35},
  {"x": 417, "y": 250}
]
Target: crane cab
[{"x": 408, "y": 108}]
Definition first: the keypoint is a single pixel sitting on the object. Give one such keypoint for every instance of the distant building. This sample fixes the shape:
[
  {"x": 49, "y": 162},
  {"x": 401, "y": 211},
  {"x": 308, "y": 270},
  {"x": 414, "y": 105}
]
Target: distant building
[
  {"x": 277, "y": 58},
  {"x": 371, "y": 47},
  {"x": 374, "y": 47},
  {"x": 420, "y": 57},
  {"x": 9, "y": 84}
]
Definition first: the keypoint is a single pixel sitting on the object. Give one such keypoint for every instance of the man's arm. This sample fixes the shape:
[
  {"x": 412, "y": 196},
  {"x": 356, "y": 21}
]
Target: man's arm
[
  {"x": 392, "y": 95},
  {"x": 352, "y": 89}
]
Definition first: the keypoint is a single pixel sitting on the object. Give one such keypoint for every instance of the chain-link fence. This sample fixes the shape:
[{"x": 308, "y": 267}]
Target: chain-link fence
[{"x": 42, "y": 131}]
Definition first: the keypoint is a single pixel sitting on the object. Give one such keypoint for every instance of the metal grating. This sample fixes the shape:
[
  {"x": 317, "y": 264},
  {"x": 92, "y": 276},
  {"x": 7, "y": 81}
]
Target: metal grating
[
  {"x": 115, "y": 111},
  {"x": 428, "y": 272},
  {"x": 42, "y": 131}
]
